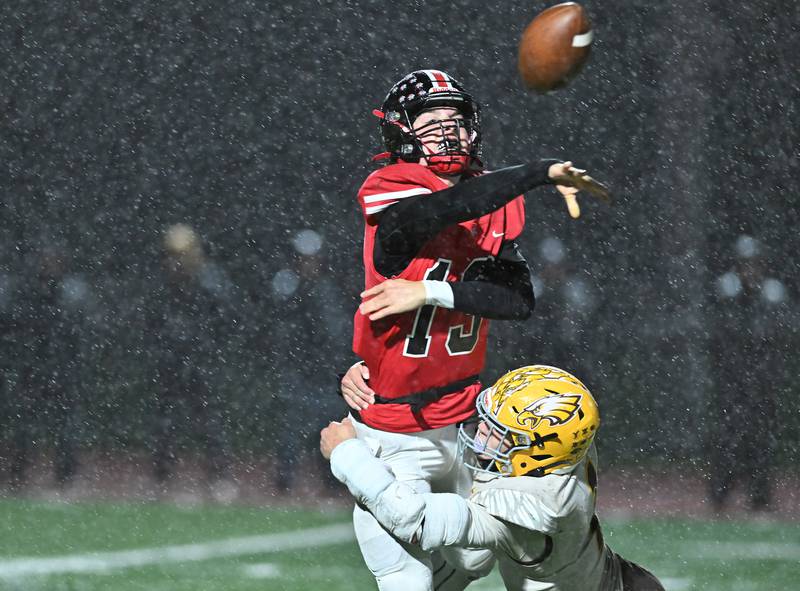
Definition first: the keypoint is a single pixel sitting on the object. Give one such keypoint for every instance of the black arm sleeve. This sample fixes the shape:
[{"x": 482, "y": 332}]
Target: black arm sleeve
[
  {"x": 405, "y": 227},
  {"x": 502, "y": 289}
]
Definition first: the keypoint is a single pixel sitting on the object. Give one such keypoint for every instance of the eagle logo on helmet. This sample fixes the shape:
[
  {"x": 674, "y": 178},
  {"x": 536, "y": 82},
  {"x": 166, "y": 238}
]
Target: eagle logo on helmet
[{"x": 555, "y": 408}]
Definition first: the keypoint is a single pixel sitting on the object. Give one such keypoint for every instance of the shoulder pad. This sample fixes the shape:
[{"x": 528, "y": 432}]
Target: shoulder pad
[
  {"x": 532, "y": 503},
  {"x": 395, "y": 182}
]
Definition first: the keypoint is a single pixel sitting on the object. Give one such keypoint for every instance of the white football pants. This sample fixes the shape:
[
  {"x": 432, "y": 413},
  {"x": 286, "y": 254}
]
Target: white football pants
[{"x": 428, "y": 462}]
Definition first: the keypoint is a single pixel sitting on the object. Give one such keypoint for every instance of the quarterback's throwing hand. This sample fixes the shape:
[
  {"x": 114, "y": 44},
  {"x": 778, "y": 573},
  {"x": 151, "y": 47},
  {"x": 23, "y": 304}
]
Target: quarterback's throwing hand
[
  {"x": 393, "y": 296},
  {"x": 334, "y": 434},
  {"x": 569, "y": 180}
]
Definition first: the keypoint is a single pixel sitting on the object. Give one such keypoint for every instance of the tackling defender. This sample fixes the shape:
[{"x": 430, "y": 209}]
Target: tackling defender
[
  {"x": 439, "y": 259},
  {"x": 533, "y": 502}
]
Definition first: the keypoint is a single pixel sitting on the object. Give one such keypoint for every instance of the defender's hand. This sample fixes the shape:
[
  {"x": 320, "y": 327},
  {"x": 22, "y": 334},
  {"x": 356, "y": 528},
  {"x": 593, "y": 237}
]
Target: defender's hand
[
  {"x": 393, "y": 296},
  {"x": 334, "y": 434},
  {"x": 569, "y": 180},
  {"x": 355, "y": 391}
]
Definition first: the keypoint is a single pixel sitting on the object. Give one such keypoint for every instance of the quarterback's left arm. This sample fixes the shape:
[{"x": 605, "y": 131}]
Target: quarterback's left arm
[
  {"x": 497, "y": 288},
  {"x": 431, "y": 520}
]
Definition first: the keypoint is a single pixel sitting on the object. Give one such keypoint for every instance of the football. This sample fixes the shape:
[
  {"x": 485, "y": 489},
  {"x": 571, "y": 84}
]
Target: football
[{"x": 554, "y": 47}]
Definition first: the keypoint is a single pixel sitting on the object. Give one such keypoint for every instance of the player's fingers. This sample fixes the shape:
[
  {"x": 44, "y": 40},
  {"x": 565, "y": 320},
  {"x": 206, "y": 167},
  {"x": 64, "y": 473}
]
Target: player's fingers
[
  {"x": 361, "y": 394},
  {"x": 388, "y": 310},
  {"x": 373, "y": 291},
  {"x": 364, "y": 371},
  {"x": 365, "y": 399},
  {"x": 363, "y": 389},
  {"x": 382, "y": 313},
  {"x": 354, "y": 401},
  {"x": 376, "y": 289},
  {"x": 387, "y": 305},
  {"x": 372, "y": 310},
  {"x": 572, "y": 206},
  {"x": 347, "y": 385},
  {"x": 373, "y": 305}
]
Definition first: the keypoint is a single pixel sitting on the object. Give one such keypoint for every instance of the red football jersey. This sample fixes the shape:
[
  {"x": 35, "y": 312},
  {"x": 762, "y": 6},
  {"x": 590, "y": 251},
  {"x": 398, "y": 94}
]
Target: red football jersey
[{"x": 430, "y": 347}]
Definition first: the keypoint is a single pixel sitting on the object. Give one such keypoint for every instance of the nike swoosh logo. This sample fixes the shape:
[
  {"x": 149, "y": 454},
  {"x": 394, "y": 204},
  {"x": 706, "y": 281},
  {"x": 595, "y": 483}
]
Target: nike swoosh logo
[{"x": 497, "y": 234}]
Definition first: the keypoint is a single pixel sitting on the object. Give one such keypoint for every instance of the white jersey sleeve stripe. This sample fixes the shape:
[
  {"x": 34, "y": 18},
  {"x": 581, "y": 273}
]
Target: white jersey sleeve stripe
[
  {"x": 377, "y": 208},
  {"x": 396, "y": 195}
]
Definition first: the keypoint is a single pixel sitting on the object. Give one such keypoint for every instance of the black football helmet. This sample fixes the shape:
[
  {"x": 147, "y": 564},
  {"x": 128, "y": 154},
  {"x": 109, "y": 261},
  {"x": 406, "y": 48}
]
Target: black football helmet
[{"x": 417, "y": 92}]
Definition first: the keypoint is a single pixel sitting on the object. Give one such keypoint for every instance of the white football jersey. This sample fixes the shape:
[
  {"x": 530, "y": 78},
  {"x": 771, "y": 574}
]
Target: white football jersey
[{"x": 543, "y": 530}]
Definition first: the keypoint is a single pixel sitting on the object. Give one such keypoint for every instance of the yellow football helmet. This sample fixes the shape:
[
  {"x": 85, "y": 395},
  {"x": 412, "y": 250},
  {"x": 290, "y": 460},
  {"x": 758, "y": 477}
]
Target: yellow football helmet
[{"x": 534, "y": 420}]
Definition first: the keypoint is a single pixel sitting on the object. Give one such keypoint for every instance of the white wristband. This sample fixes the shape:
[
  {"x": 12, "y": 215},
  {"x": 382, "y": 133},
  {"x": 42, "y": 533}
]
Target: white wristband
[{"x": 438, "y": 293}]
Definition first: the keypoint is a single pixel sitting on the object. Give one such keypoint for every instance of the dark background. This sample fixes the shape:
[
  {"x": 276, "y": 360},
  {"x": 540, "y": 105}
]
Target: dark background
[{"x": 251, "y": 121}]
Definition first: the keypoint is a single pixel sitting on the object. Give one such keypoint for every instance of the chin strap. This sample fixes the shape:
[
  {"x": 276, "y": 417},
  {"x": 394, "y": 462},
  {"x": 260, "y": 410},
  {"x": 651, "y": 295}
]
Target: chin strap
[{"x": 449, "y": 165}]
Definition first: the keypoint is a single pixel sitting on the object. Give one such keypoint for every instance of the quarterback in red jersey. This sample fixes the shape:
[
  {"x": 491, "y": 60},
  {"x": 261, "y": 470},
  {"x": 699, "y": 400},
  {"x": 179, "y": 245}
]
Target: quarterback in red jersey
[
  {"x": 440, "y": 260},
  {"x": 433, "y": 347},
  {"x": 434, "y": 218}
]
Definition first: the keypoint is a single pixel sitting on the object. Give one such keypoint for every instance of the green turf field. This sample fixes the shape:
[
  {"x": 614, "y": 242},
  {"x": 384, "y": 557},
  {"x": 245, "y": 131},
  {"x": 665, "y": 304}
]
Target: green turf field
[{"x": 159, "y": 547}]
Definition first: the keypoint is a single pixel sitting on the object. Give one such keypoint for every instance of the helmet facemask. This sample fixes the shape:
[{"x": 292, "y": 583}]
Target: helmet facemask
[
  {"x": 446, "y": 144},
  {"x": 494, "y": 443},
  {"x": 416, "y": 94}
]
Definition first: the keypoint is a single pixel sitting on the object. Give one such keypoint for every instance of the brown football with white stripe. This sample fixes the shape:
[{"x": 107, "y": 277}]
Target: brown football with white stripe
[{"x": 554, "y": 47}]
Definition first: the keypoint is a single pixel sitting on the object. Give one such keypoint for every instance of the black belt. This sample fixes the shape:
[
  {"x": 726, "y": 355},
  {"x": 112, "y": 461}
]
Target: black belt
[{"x": 417, "y": 400}]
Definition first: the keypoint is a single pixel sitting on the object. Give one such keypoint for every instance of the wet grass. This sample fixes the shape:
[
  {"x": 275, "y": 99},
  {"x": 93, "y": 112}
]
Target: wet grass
[{"x": 688, "y": 555}]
